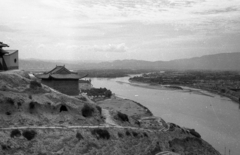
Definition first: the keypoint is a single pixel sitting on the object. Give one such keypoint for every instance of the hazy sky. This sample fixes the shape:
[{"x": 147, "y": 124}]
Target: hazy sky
[{"x": 120, "y": 29}]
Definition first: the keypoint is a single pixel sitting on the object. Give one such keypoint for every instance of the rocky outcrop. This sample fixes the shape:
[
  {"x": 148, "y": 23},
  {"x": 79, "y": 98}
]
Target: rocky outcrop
[{"x": 35, "y": 119}]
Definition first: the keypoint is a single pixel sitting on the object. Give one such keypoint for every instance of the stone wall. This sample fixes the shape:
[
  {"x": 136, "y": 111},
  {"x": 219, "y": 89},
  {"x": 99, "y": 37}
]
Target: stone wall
[{"x": 69, "y": 87}]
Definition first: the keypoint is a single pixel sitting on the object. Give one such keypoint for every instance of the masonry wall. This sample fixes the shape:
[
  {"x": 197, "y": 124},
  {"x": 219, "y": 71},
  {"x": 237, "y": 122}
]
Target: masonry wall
[
  {"x": 69, "y": 87},
  {"x": 11, "y": 60}
]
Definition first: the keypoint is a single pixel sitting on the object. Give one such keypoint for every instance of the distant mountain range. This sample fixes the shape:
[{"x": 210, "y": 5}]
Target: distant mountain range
[{"x": 223, "y": 61}]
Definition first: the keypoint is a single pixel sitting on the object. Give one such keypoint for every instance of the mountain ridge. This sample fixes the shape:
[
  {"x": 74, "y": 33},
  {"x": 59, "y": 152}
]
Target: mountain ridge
[{"x": 221, "y": 62}]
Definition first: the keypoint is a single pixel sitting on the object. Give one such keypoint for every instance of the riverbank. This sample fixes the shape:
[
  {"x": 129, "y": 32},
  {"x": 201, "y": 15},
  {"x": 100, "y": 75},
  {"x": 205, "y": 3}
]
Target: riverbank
[
  {"x": 214, "y": 117},
  {"x": 233, "y": 98},
  {"x": 126, "y": 106},
  {"x": 191, "y": 88}
]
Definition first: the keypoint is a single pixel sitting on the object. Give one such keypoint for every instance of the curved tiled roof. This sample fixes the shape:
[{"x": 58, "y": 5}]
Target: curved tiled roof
[
  {"x": 59, "y": 72},
  {"x": 3, "y": 45},
  {"x": 3, "y": 51},
  {"x": 59, "y": 76}
]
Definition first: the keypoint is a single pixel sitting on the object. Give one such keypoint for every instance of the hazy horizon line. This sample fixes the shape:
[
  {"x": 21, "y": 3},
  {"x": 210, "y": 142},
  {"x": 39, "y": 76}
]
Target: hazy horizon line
[{"x": 98, "y": 61}]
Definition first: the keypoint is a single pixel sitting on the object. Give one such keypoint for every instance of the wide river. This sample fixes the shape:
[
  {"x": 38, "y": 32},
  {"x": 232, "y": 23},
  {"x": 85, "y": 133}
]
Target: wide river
[{"x": 216, "y": 118}]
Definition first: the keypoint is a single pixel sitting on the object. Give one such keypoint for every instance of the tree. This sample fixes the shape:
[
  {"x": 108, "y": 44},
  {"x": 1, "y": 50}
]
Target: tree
[{"x": 108, "y": 93}]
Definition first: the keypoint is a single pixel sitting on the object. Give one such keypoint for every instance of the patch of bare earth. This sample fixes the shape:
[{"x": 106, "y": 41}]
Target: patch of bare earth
[{"x": 125, "y": 106}]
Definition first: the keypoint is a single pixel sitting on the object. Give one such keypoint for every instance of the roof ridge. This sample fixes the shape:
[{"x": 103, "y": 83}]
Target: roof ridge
[
  {"x": 63, "y": 67},
  {"x": 50, "y": 72}
]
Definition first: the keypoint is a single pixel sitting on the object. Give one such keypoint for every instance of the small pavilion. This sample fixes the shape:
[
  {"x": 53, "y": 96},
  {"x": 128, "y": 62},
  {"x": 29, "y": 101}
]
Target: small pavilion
[
  {"x": 61, "y": 79},
  {"x": 8, "y": 58}
]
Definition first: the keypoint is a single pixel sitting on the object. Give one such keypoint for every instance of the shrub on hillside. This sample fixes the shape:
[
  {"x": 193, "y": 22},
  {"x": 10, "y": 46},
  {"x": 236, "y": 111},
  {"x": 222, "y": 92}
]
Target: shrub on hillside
[
  {"x": 194, "y": 133},
  {"x": 172, "y": 126},
  {"x": 29, "y": 134},
  {"x": 8, "y": 113},
  {"x": 128, "y": 133},
  {"x": 98, "y": 92},
  {"x": 145, "y": 134},
  {"x": 101, "y": 133},
  {"x": 99, "y": 109},
  {"x": 31, "y": 105},
  {"x": 10, "y": 101},
  {"x": 79, "y": 136},
  {"x": 35, "y": 85},
  {"x": 120, "y": 135},
  {"x": 5, "y": 147},
  {"x": 87, "y": 110},
  {"x": 134, "y": 134},
  {"x": 122, "y": 117},
  {"x": 108, "y": 93},
  {"x": 15, "y": 133},
  {"x": 19, "y": 104},
  {"x": 138, "y": 123}
]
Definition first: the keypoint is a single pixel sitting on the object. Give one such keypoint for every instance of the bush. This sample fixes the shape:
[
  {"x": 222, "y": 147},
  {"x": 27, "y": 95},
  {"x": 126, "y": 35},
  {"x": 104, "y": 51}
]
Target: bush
[
  {"x": 31, "y": 105},
  {"x": 8, "y": 113},
  {"x": 35, "y": 85},
  {"x": 29, "y": 134},
  {"x": 123, "y": 117},
  {"x": 134, "y": 134},
  {"x": 19, "y": 104},
  {"x": 172, "y": 126},
  {"x": 101, "y": 133},
  {"x": 99, "y": 109},
  {"x": 87, "y": 111},
  {"x": 79, "y": 136},
  {"x": 223, "y": 91},
  {"x": 108, "y": 93},
  {"x": 10, "y": 100},
  {"x": 145, "y": 134},
  {"x": 194, "y": 133},
  {"x": 15, "y": 133},
  {"x": 5, "y": 147},
  {"x": 120, "y": 135},
  {"x": 128, "y": 133},
  {"x": 138, "y": 123},
  {"x": 98, "y": 92}
]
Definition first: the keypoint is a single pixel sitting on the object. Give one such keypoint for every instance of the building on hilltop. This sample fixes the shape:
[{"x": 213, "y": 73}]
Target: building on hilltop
[
  {"x": 8, "y": 58},
  {"x": 61, "y": 79}
]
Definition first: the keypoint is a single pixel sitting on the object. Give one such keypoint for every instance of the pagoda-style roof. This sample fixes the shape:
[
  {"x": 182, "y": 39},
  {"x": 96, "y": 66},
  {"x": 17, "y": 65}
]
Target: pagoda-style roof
[
  {"x": 59, "y": 72},
  {"x": 3, "y": 52},
  {"x": 3, "y": 45}
]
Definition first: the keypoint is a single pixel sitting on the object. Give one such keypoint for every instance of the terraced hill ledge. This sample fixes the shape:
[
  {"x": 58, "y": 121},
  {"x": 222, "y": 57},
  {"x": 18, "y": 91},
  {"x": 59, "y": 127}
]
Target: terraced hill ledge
[{"x": 37, "y": 120}]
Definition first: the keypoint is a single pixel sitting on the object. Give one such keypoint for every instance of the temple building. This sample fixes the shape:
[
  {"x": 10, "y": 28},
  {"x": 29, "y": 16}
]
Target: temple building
[
  {"x": 62, "y": 80},
  {"x": 8, "y": 58}
]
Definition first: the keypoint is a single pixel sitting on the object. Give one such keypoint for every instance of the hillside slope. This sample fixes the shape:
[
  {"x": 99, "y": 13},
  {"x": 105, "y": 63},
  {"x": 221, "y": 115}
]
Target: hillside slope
[{"x": 35, "y": 119}]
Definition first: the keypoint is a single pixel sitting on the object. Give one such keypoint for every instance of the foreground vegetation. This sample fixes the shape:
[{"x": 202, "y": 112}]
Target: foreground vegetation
[{"x": 98, "y": 92}]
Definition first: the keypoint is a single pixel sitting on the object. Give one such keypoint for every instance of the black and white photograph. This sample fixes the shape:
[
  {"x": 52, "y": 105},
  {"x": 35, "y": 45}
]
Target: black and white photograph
[{"x": 120, "y": 77}]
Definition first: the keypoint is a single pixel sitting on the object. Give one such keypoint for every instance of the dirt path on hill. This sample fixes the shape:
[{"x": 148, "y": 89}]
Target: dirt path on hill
[
  {"x": 83, "y": 127},
  {"x": 108, "y": 117}
]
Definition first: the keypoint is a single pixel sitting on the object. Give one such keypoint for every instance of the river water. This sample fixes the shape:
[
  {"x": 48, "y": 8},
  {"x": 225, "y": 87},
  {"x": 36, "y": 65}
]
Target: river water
[{"x": 216, "y": 118}]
